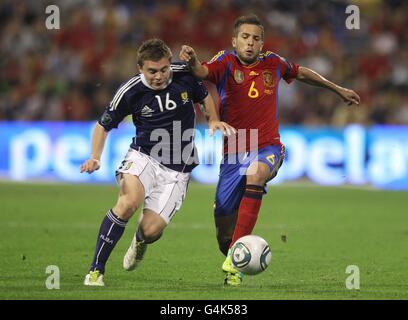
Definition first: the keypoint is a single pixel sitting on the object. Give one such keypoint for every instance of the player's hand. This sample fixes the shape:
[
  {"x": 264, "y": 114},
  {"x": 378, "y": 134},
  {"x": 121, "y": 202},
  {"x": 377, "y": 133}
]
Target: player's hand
[
  {"x": 224, "y": 127},
  {"x": 349, "y": 96},
  {"x": 90, "y": 165},
  {"x": 187, "y": 54}
]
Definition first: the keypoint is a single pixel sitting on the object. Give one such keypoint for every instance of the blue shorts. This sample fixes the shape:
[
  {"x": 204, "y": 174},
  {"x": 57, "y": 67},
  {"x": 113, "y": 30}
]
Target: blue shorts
[{"x": 232, "y": 180}]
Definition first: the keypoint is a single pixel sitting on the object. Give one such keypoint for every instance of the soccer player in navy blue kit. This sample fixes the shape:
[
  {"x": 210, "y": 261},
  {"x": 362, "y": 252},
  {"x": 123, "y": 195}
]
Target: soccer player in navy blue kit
[{"x": 156, "y": 169}]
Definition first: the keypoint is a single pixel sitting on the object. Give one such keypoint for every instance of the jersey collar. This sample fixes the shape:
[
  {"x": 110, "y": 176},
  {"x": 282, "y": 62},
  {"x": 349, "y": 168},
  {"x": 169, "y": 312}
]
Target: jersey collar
[
  {"x": 144, "y": 81},
  {"x": 243, "y": 65}
]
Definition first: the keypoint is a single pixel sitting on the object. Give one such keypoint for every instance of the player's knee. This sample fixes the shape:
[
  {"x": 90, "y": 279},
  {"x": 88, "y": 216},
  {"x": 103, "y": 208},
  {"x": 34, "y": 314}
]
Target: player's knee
[
  {"x": 257, "y": 174},
  {"x": 126, "y": 207},
  {"x": 258, "y": 178}
]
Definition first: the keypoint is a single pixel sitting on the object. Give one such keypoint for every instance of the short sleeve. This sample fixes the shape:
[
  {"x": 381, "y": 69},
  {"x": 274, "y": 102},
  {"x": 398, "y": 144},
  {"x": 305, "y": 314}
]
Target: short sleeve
[
  {"x": 289, "y": 70},
  {"x": 217, "y": 67},
  {"x": 117, "y": 110},
  {"x": 200, "y": 91}
]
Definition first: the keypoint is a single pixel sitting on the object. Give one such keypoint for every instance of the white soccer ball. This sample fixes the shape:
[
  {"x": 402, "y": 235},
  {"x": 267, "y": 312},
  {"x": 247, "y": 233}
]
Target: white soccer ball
[{"x": 251, "y": 254}]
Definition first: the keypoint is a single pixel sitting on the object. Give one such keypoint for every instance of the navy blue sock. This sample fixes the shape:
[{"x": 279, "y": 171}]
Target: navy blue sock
[{"x": 111, "y": 230}]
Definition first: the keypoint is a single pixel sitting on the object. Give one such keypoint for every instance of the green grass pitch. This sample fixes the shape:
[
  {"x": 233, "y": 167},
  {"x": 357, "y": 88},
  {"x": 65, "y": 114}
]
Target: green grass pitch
[{"x": 326, "y": 230}]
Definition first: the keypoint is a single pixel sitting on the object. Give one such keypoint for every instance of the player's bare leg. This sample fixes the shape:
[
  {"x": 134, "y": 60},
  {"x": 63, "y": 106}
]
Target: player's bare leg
[
  {"x": 131, "y": 196},
  {"x": 150, "y": 229}
]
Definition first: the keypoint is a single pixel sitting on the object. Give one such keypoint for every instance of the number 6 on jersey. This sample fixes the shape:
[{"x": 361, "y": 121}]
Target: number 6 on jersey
[{"x": 253, "y": 92}]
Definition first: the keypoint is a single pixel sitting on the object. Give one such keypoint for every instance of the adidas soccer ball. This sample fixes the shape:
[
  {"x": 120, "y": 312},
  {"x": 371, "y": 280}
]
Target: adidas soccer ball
[{"x": 251, "y": 254}]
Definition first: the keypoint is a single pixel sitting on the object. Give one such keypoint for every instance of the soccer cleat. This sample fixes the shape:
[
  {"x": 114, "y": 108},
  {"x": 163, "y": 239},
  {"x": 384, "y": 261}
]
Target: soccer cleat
[
  {"x": 134, "y": 255},
  {"x": 94, "y": 278},
  {"x": 233, "y": 279},
  {"x": 232, "y": 276}
]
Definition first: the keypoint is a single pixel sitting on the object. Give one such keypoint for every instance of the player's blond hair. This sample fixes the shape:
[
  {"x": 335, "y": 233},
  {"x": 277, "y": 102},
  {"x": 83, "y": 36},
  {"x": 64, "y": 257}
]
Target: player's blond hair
[{"x": 153, "y": 50}]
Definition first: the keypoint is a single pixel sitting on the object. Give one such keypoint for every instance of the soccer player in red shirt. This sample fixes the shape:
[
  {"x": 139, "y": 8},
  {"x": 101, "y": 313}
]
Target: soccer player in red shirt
[{"x": 247, "y": 82}]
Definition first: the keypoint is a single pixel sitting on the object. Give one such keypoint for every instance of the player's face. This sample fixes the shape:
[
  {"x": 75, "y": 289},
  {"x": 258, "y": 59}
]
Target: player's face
[
  {"x": 157, "y": 73},
  {"x": 248, "y": 43}
]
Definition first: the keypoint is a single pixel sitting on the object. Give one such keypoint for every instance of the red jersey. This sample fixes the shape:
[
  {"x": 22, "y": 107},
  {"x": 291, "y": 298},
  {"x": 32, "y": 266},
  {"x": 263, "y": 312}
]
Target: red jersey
[{"x": 249, "y": 95}]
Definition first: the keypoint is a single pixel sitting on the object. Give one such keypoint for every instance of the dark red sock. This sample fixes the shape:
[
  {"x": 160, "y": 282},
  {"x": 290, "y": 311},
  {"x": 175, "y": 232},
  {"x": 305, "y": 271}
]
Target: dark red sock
[{"x": 248, "y": 212}]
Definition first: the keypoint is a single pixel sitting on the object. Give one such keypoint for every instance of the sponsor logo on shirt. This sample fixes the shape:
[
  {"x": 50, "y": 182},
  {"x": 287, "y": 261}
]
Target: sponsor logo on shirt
[{"x": 146, "y": 112}]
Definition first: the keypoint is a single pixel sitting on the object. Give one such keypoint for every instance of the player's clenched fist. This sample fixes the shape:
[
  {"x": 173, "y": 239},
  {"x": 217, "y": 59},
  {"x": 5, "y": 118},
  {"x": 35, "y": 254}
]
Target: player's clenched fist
[
  {"x": 187, "y": 54},
  {"x": 90, "y": 165}
]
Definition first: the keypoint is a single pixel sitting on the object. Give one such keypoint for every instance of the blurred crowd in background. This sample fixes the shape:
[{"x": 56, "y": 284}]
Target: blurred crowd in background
[{"x": 72, "y": 73}]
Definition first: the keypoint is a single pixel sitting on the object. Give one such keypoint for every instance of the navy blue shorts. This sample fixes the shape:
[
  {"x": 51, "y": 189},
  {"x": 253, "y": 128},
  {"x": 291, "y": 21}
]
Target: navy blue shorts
[{"x": 232, "y": 180}]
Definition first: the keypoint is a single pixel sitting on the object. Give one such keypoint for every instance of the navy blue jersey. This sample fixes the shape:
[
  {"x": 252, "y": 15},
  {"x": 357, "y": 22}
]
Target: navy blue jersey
[{"x": 164, "y": 119}]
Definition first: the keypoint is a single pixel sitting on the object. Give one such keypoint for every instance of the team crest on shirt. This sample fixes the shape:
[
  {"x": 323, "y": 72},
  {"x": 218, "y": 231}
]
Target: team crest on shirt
[
  {"x": 238, "y": 76},
  {"x": 268, "y": 78},
  {"x": 184, "y": 97}
]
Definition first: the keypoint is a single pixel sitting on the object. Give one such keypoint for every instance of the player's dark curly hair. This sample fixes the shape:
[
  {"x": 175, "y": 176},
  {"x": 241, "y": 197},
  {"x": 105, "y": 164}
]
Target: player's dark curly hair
[
  {"x": 154, "y": 50},
  {"x": 248, "y": 19}
]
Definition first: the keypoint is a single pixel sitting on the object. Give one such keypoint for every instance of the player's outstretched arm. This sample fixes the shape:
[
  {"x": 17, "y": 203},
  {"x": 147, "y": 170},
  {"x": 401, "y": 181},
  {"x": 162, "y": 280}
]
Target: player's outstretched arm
[
  {"x": 187, "y": 54},
  {"x": 214, "y": 123},
  {"x": 98, "y": 142},
  {"x": 312, "y": 77}
]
